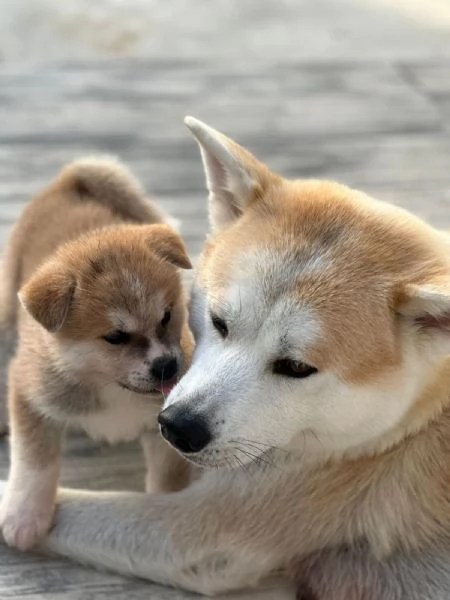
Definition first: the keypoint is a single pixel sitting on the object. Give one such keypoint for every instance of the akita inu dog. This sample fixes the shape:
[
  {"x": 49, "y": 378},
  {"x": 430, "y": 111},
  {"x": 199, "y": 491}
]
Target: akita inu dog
[{"x": 318, "y": 400}]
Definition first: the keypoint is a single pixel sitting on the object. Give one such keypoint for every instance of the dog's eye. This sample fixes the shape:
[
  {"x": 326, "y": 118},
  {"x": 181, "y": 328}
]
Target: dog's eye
[
  {"x": 293, "y": 368},
  {"x": 220, "y": 325},
  {"x": 117, "y": 337},
  {"x": 166, "y": 318}
]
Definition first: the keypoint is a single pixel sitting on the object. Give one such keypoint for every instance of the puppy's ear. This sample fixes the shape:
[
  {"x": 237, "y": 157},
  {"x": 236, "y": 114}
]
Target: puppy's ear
[
  {"x": 168, "y": 245},
  {"x": 47, "y": 296},
  {"x": 427, "y": 305},
  {"x": 234, "y": 177}
]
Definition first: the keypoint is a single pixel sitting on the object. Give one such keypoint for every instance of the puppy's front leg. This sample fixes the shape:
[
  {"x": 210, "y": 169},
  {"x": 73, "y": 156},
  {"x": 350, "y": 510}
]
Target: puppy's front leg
[
  {"x": 27, "y": 509},
  {"x": 187, "y": 539},
  {"x": 167, "y": 471},
  {"x": 8, "y": 337}
]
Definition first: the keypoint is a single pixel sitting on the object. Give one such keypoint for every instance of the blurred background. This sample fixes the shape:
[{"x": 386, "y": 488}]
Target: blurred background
[{"x": 353, "y": 90}]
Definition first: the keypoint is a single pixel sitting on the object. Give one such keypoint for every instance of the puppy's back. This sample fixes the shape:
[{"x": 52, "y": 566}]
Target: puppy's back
[
  {"x": 108, "y": 182},
  {"x": 88, "y": 193}
]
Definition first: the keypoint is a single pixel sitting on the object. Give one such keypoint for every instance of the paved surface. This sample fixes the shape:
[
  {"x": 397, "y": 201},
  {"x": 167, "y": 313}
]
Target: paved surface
[{"x": 365, "y": 99}]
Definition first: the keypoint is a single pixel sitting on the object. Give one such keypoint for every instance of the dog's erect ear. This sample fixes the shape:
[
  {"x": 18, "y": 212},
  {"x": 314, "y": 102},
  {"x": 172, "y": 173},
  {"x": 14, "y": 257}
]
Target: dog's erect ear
[
  {"x": 47, "y": 296},
  {"x": 168, "y": 245},
  {"x": 233, "y": 176},
  {"x": 427, "y": 305}
]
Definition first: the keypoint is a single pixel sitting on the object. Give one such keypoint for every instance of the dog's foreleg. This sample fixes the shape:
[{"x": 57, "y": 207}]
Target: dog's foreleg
[{"x": 187, "y": 539}]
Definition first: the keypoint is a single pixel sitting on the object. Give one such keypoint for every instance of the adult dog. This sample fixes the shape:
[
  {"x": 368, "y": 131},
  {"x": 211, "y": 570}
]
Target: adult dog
[{"x": 317, "y": 400}]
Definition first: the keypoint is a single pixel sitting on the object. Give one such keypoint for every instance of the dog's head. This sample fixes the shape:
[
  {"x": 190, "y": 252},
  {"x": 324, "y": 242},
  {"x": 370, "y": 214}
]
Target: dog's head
[
  {"x": 321, "y": 317},
  {"x": 113, "y": 302}
]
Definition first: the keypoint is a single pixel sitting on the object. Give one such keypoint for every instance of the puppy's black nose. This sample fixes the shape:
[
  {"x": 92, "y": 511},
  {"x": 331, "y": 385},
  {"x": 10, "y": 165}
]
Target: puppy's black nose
[
  {"x": 164, "y": 368},
  {"x": 187, "y": 433}
]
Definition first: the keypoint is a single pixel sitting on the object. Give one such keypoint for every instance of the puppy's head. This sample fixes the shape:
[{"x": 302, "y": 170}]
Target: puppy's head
[
  {"x": 113, "y": 301},
  {"x": 321, "y": 318}
]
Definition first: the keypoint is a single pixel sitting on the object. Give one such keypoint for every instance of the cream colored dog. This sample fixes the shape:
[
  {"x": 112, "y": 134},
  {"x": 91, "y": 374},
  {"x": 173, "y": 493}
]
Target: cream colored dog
[{"x": 318, "y": 400}]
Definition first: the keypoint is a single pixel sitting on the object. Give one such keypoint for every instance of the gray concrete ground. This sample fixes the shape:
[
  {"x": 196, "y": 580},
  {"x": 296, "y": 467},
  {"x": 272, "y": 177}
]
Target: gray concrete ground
[{"x": 354, "y": 91}]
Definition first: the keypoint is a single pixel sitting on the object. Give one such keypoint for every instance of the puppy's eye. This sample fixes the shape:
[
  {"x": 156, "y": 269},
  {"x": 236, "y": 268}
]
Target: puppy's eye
[
  {"x": 220, "y": 325},
  {"x": 117, "y": 337},
  {"x": 166, "y": 318},
  {"x": 292, "y": 368}
]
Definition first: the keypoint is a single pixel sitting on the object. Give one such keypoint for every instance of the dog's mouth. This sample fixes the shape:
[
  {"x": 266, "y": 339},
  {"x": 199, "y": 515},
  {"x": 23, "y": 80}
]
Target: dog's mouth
[{"x": 165, "y": 387}]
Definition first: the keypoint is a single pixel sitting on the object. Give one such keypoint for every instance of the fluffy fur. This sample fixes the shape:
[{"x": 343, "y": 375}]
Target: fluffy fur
[
  {"x": 344, "y": 471},
  {"x": 91, "y": 256}
]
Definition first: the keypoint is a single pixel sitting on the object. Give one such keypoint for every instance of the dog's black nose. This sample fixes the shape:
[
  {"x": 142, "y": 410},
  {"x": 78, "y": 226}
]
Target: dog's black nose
[
  {"x": 187, "y": 433},
  {"x": 164, "y": 368}
]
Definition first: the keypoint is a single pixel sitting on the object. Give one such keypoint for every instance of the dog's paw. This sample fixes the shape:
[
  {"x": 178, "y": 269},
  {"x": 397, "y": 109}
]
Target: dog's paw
[{"x": 23, "y": 528}]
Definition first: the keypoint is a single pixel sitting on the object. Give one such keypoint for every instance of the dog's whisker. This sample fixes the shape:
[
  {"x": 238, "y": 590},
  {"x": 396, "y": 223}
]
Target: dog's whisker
[
  {"x": 263, "y": 457},
  {"x": 243, "y": 466},
  {"x": 316, "y": 437},
  {"x": 265, "y": 450},
  {"x": 258, "y": 459},
  {"x": 250, "y": 447},
  {"x": 265, "y": 445},
  {"x": 255, "y": 459}
]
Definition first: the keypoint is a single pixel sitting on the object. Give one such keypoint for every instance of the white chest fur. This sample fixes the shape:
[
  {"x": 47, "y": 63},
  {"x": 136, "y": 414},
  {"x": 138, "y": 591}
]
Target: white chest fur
[{"x": 123, "y": 416}]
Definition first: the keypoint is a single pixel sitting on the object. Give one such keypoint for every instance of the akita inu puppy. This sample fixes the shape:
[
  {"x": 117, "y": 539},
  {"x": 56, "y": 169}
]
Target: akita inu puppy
[
  {"x": 318, "y": 400},
  {"x": 102, "y": 332}
]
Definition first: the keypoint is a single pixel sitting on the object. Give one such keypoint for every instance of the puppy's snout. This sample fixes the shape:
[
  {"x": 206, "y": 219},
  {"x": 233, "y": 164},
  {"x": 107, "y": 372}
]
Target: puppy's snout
[
  {"x": 164, "y": 368},
  {"x": 187, "y": 432}
]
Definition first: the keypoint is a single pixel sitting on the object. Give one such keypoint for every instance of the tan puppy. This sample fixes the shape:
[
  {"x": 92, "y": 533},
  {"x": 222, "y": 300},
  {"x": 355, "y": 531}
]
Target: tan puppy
[
  {"x": 101, "y": 332},
  {"x": 318, "y": 396}
]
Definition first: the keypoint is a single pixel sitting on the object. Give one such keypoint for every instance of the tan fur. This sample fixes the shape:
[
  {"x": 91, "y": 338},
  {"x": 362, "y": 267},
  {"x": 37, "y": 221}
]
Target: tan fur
[
  {"x": 86, "y": 250},
  {"x": 378, "y": 278},
  {"x": 361, "y": 247}
]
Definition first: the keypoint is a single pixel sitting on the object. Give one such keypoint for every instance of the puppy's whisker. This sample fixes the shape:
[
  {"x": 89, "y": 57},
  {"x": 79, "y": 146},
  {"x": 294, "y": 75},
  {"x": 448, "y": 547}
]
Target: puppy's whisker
[{"x": 163, "y": 393}]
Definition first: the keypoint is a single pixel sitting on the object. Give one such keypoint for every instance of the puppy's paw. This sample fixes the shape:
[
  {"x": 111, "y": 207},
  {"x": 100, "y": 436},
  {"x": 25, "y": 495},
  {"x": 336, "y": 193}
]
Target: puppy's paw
[{"x": 23, "y": 527}]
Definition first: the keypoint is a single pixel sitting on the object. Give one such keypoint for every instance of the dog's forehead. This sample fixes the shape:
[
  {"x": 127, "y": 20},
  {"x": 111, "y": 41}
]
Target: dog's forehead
[
  {"x": 261, "y": 290},
  {"x": 270, "y": 273},
  {"x": 313, "y": 247}
]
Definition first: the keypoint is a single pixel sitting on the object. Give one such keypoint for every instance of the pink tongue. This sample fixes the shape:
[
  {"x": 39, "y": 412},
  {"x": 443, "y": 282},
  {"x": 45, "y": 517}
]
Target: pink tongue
[{"x": 167, "y": 386}]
